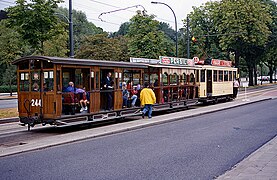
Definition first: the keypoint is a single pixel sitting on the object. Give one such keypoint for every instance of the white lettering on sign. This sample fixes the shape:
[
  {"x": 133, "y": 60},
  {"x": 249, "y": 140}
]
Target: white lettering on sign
[{"x": 36, "y": 102}]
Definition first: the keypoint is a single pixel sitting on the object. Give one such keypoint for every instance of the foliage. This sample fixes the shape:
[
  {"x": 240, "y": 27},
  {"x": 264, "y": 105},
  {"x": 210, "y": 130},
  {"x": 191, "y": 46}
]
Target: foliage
[
  {"x": 145, "y": 39},
  {"x": 35, "y": 21},
  {"x": 123, "y": 30},
  {"x": 203, "y": 29},
  {"x": 101, "y": 47},
  {"x": 81, "y": 26},
  {"x": 6, "y": 89}
]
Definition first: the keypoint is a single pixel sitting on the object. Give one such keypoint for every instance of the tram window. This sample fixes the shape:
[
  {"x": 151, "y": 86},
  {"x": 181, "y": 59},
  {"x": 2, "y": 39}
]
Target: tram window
[
  {"x": 79, "y": 77},
  {"x": 154, "y": 79},
  {"x": 215, "y": 75},
  {"x": 191, "y": 78},
  {"x": 136, "y": 78},
  {"x": 173, "y": 79},
  {"x": 66, "y": 79},
  {"x": 24, "y": 81},
  {"x": 48, "y": 81},
  {"x": 234, "y": 74},
  {"x": 23, "y": 65},
  {"x": 58, "y": 81},
  {"x": 183, "y": 78},
  {"x": 35, "y": 81},
  {"x": 146, "y": 77},
  {"x": 230, "y": 76},
  {"x": 197, "y": 75},
  {"x": 48, "y": 65},
  {"x": 165, "y": 79},
  {"x": 202, "y": 79},
  {"x": 220, "y": 76},
  {"x": 225, "y": 75}
]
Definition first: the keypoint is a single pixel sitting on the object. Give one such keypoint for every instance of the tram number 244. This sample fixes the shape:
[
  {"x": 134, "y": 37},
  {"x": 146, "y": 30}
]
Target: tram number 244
[{"x": 36, "y": 102}]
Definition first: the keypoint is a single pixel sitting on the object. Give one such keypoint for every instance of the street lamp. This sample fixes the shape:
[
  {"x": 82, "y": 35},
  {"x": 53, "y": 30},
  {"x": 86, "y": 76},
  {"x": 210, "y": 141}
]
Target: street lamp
[{"x": 176, "y": 35}]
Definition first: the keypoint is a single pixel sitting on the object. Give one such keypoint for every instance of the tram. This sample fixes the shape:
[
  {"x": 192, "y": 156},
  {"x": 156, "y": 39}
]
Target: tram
[{"x": 52, "y": 90}]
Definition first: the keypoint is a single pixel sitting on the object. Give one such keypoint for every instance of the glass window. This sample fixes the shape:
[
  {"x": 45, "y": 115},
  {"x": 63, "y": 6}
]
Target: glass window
[
  {"x": 235, "y": 74},
  {"x": 220, "y": 76},
  {"x": 48, "y": 82},
  {"x": 154, "y": 78},
  {"x": 173, "y": 79},
  {"x": 58, "y": 81},
  {"x": 230, "y": 76},
  {"x": 202, "y": 79},
  {"x": 225, "y": 75},
  {"x": 191, "y": 78},
  {"x": 164, "y": 79},
  {"x": 184, "y": 78},
  {"x": 36, "y": 81},
  {"x": 24, "y": 81},
  {"x": 215, "y": 75}
]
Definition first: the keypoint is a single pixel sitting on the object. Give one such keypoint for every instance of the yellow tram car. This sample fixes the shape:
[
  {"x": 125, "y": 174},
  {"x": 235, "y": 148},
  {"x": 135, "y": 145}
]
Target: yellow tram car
[{"x": 43, "y": 96}]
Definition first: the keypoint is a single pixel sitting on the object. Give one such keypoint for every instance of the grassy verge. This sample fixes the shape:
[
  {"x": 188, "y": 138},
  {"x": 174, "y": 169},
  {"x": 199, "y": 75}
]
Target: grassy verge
[{"x": 9, "y": 112}]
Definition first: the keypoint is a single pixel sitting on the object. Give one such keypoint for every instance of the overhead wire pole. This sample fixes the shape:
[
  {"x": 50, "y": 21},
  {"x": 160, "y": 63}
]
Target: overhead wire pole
[
  {"x": 71, "y": 42},
  {"x": 176, "y": 33},
  {"x": 188, "y": 39}
]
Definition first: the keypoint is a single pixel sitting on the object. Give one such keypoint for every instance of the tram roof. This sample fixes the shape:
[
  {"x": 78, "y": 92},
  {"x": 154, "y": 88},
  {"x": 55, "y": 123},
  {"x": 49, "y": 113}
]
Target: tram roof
[{"x": 86, "y": 62}]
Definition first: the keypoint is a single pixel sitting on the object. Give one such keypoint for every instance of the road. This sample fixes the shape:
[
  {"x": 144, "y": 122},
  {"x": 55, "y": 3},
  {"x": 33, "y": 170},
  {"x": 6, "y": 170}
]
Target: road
[
  {"x": 202, "y": 147},
  {"x": 10, "y": 103}
]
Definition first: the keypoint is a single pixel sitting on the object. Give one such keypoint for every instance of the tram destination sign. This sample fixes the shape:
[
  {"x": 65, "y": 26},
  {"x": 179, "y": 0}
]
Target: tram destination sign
[{"x": 176, "y": 61}]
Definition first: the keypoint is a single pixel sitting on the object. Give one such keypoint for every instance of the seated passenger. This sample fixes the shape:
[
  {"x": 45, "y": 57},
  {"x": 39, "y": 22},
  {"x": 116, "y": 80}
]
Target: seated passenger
[
  {"x": 134, "y": 96},
  {"x": 125, "y": 94},
  {"x": 70, "y": 87},
  {"x": 83, "y": 101}
]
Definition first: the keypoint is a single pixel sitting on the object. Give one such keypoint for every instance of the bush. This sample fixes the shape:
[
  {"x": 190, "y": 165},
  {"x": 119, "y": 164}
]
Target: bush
[{"x": 6, "y": 89}]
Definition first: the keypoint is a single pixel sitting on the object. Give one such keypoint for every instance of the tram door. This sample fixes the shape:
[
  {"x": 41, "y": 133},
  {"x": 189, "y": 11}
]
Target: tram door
[
  {"x": 48, "y": 95},
  {"x": 209, "y": 83}
]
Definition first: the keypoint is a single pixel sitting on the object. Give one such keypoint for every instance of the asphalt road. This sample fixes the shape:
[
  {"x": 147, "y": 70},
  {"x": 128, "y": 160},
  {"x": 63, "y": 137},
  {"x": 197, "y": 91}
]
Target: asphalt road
[
  {"x": 202, "y": 147},
  {"x": 10, "y": 103}
]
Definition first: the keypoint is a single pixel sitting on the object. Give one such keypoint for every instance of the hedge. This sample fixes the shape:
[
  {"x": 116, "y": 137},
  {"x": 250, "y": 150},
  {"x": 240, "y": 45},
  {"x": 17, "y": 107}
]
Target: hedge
[{"x": 6, "y": 89}]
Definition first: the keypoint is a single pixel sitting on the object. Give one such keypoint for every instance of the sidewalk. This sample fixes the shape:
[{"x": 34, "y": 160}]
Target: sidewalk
[
  {"x": 260, "y": 165},
  {"x": 6, "y": 96}
]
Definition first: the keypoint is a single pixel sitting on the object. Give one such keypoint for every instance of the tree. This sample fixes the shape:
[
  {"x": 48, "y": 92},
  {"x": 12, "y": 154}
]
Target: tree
[
  {"x": 145, "y": 38},
  {"x": 269, "y": 56},
  {"x": 35, "y": 21},
  {"x": 11, "y": 47},
  {"x": 81, "y": 26},
  {"x": 249, "y": 20},
  {"x": 202, "y": 27},
  {"x": 101, "y": 47}
]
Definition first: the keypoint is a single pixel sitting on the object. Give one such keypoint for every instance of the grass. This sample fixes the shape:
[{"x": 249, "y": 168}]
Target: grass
[{"x": 8, "y": 113}]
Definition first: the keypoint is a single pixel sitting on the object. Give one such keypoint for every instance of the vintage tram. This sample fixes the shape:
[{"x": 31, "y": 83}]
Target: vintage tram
[{"x": 44, "y": 98}]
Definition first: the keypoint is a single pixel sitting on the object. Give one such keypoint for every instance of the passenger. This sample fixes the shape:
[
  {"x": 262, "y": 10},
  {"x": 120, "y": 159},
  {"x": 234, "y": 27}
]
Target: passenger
[
  {"x": 108, "y": 85},
  {"x": 147, "y": 99},
  {"x": 35, "y": 87},
  {"x": 134, "y": 96},
  {"x": 235, "y": 87},
  {"x": 83, "y": 101},
  {"x": 125, "y": 94},
  {"x": 70, "y": 87}
]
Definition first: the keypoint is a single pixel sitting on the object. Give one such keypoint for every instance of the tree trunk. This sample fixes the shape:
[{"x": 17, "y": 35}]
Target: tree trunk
[{"x": 255, "y": 74}]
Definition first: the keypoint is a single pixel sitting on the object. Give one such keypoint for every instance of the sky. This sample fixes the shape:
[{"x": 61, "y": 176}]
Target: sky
[{"x": 112, "y": 21}]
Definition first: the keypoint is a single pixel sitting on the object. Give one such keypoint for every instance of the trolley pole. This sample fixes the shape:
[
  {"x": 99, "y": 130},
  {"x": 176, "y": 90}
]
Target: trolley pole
[{"x": 71, "y": 45}]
